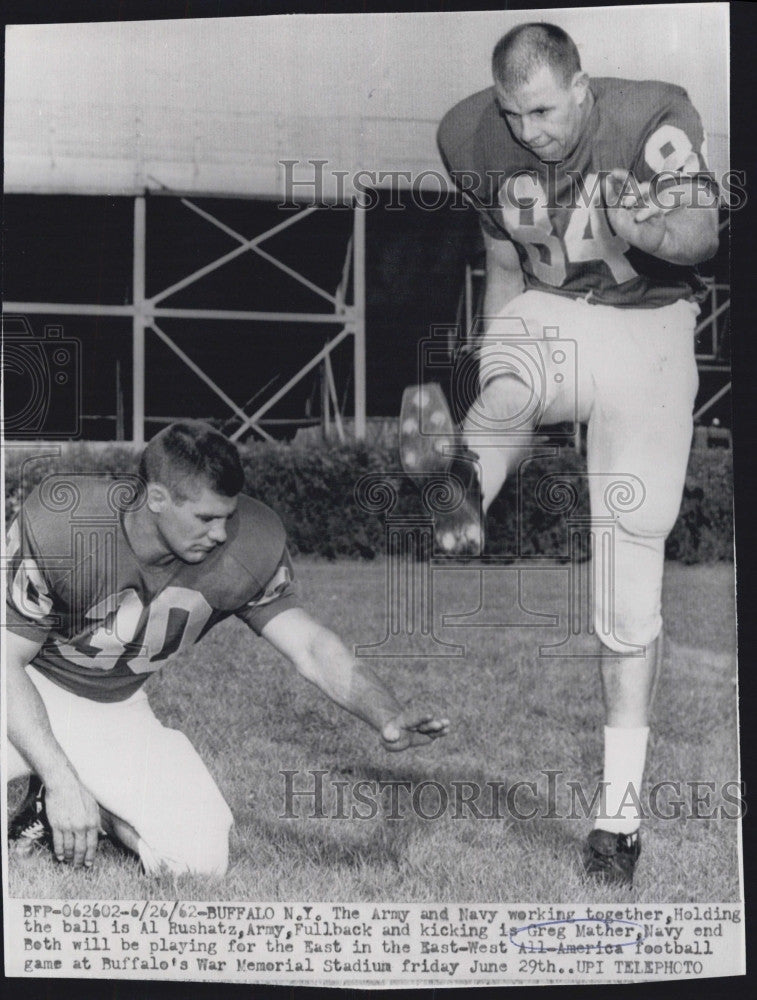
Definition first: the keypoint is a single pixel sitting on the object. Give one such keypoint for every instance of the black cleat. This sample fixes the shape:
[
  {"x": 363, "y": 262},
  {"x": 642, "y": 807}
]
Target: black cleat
[
  {"x": 28, "y": 829},
  {"x": 612, "y": 857},
  {"x": 431, "y": 444}
]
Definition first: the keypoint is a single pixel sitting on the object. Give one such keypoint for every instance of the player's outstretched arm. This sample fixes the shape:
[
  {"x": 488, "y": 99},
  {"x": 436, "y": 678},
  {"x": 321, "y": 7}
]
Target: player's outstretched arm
[
  {"x": 322, "y": 658},
  {"x": 72, "y": 811},
  {"x": 679, "y": 225}
]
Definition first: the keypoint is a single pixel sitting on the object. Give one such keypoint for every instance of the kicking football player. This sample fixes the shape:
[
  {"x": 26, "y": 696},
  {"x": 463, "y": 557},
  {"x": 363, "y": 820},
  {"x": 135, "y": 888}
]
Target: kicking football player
[
  {"x": 595, "y": 204},
  {"x": 107, "y": 579}
]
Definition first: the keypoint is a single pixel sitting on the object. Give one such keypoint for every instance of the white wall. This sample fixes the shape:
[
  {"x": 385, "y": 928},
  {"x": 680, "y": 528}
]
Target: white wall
[{"x": 212, "y": 104}]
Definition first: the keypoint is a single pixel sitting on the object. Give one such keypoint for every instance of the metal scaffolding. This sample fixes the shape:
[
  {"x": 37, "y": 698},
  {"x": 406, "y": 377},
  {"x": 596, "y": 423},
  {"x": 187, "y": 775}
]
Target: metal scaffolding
[
  {"x": 712, "y": 356},
  {"x": 147, "y": 312}
]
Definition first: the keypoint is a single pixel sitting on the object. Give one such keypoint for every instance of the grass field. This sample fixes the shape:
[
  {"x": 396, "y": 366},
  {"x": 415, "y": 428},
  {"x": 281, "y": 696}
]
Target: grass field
[{"x": 515, "y": 715}]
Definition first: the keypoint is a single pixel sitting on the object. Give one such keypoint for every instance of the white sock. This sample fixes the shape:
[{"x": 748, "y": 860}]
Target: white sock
[{"x": 625, "y": 754}]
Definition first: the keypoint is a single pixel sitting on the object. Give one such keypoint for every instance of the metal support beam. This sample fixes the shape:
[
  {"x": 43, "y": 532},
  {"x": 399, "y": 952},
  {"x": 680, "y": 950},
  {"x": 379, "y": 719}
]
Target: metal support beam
[
  {"x": 193, "y": 366},
  {"x": 468, "y": 303},
  {"x": 713, "y": 399},
  {"x": 69, "y": 308},
  {"x": 90, "y": 309},
  {"x": 332, "y": 394},
  {"x": 250, "y": 421},
  {"x": 253, "y": 245},
  {"x": 283, "y": 317},
  {"x": 243, "y": 248},
  {"x": 325, "y": 404},
  {"x": 710, "y": 321},
  {"x": 138, "y": 325},
  {"x": 359, "y": 319},
  {"x": 341, "y": 291}
]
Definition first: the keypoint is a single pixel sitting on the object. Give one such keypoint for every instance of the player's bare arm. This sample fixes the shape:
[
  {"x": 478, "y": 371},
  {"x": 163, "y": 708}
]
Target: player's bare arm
[
  {"x": 504, "y": 277},
  {"x": 321, "y": 657},
  {"x": 72, "y": 811},
  {"x": 682, "y": 231}
]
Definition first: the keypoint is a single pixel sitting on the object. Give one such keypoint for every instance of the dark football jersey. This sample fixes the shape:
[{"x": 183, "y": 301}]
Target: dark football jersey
[
  {"x": 107, "y": 621},
  {"x": 553, "y": 212}
]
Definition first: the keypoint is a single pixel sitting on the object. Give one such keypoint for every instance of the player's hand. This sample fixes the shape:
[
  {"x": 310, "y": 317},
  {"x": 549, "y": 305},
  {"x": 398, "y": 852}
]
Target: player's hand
[
  {"x": 632, "y": 214},
  {"x": 74, "y": 818},
  {"x": 412, "y": 728}
]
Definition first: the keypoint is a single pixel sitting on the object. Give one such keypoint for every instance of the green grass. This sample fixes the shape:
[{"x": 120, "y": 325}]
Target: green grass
[{"x": 515, "y": 714}]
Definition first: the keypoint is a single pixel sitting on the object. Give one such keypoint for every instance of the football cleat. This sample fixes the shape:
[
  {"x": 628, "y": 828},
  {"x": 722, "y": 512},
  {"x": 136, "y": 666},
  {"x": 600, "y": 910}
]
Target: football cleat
[
  {"x": 431, "y": 444},
  {"x": 28, "y": 829},
  {"x": 612, "y": 857}
]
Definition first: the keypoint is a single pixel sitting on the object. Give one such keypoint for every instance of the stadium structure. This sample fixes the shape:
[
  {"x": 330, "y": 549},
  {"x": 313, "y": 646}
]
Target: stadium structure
[{"x": 232, "y": 123}]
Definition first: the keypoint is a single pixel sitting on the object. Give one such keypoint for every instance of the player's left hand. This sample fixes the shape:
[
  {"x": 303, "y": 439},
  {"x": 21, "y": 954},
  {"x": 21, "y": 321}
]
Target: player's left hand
[
  {"x": 631, "y": 213},
  {"x": 412, "y": 728}
]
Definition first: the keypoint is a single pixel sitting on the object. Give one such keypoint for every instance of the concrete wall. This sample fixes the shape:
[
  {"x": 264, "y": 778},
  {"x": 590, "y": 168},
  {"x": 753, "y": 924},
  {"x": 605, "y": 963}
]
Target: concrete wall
[{"x": 212, "y": 105}]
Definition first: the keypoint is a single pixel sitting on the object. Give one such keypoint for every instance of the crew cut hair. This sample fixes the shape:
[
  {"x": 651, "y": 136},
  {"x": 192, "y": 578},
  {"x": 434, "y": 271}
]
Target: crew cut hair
[
  {"x": 526, "y": 48},
  {"x": 187, "y": 455}
]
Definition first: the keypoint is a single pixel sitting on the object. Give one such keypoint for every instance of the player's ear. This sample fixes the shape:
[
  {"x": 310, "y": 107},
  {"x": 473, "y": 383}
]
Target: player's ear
[
  {"x": 580, "y": 86},
  {"x": 157, "y": 497}
]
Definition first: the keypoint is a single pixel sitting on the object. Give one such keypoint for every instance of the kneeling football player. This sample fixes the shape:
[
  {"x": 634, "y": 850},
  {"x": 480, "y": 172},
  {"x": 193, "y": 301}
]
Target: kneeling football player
[{"x": 109, "y": 578}]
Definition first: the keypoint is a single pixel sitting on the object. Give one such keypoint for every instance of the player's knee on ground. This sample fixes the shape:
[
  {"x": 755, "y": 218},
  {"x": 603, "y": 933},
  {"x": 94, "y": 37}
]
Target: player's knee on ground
[
  {"x": 199, "y": 848},
  {"x": 628, "y": 591},
  {"x": 185, "y": 821}
]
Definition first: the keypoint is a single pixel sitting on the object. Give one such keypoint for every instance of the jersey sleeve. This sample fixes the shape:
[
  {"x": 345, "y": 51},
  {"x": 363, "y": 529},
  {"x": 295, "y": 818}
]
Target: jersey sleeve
[
  {"x": 673, "y": 149},
  {"x": 279, "y": 594},
  {"x": 475, "y": 196},
  {"x": 29, "y": 585},
  {"x": 456, "y": 140}
]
